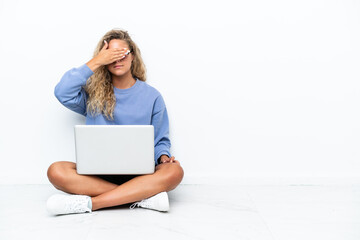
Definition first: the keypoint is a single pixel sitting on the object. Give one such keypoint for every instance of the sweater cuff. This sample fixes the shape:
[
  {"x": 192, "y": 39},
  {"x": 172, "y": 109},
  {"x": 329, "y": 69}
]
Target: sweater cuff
[
  {"x": 85, "y": 71},
  {"x": 161, "y": 152}
]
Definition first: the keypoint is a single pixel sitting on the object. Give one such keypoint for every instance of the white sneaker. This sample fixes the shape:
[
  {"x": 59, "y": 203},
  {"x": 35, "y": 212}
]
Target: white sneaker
[
  {"x": 64, "y": 204},
  {"x": 159, "y": 202}
]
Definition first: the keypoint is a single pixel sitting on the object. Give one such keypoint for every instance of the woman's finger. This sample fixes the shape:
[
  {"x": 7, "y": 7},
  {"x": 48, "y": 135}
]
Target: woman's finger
[
  {"x": 176, "y": 162},
  {"x": 118, "y": 50},
  {"x": 118, "y": 57},
  {"x": 105, "y": 45}
]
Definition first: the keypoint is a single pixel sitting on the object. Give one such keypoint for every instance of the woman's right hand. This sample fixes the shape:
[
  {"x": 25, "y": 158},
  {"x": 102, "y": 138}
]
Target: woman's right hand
[{"x": 106, "y": 56}]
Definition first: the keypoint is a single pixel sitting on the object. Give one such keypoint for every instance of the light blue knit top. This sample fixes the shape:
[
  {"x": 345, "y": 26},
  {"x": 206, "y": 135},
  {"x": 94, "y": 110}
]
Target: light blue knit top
[{"x": 140, "y": 104}]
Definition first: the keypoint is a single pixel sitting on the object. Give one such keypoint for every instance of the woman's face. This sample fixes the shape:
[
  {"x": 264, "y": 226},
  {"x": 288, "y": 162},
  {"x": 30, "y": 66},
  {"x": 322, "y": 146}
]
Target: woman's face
[{"x": 121, "y": 67}]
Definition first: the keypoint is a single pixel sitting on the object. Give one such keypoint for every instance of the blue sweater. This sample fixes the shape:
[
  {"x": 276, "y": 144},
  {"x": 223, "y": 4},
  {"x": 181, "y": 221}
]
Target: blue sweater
[{"x": 140, "y": 104}]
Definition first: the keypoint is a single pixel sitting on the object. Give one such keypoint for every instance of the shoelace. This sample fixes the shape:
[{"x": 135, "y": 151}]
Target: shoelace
[
  {"x": 142, "y": 203},
  {"x": 77, "y": 204},
  {"x": 136, "y": 204}
]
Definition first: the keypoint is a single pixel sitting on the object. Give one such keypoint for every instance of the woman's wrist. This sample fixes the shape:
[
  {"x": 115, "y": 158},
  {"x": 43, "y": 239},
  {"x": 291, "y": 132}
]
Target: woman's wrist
[{"x": 93, "y": 64}]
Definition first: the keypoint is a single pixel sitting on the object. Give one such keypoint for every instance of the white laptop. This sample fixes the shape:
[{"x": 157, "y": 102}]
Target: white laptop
[{"x": 114, "y": 149}]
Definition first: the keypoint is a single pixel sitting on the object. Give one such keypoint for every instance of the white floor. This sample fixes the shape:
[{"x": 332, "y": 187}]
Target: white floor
[{"x": 196, "y": 212}]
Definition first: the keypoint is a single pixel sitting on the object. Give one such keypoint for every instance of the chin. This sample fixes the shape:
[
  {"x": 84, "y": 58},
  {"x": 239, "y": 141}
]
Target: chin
[{"x": 119, "y": 73}]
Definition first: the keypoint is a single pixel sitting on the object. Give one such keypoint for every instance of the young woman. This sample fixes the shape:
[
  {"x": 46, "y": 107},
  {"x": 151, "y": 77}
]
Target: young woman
[{"x": 111, "y": 89}]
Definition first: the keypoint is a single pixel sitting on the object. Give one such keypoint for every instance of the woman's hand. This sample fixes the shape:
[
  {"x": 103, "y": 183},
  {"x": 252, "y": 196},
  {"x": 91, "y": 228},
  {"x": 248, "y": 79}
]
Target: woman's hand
[
  {"x": 106, "y": 56},
  {"x": 166, "y": 159}
]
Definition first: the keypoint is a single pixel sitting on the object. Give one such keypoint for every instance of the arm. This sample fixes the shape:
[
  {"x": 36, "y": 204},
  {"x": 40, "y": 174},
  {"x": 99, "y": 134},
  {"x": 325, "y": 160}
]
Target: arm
[
  {"x": 160, "y": 121},
  {"x": 69, "y": 91}
]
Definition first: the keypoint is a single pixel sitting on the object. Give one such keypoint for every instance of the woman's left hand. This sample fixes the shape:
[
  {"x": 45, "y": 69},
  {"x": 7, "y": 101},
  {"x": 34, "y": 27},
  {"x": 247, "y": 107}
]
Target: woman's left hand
[{"x": 166, "y": 159}]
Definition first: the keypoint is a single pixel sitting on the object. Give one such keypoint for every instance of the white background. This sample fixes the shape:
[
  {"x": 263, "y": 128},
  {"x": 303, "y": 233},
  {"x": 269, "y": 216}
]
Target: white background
[{"x": 257, "y": 91}]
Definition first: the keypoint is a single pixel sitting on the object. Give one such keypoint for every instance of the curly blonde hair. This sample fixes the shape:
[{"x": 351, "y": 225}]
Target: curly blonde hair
[{"x": 99, "y": 86}]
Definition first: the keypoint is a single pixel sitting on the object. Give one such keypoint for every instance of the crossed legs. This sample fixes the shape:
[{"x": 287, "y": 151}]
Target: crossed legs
[{"x": 104, "y": 194}]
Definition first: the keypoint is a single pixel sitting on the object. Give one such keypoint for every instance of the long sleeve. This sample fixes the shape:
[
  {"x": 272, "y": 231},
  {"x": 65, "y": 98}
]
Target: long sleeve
[
  {"x": 69, "y": 91},
  {"x": 160, "y": 121}
]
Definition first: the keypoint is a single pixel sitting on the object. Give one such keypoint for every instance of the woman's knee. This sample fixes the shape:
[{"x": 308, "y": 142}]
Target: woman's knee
[
  {"x": 173, "y": 175},
  {"x": 57, "y": 172}
]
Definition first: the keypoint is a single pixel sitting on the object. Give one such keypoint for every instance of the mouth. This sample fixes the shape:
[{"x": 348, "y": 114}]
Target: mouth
[{"x": 118, "y": 66}]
